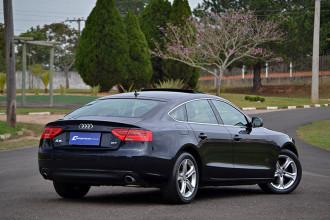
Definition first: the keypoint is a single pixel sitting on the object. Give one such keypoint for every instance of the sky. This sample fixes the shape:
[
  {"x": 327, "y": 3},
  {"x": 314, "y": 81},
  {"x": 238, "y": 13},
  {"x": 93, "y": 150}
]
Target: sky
[{"x": 30, "y": 13}]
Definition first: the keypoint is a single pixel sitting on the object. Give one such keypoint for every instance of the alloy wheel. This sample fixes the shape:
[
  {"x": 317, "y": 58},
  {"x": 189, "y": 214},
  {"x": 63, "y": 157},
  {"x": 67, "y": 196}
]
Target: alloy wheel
[
  {"x": 186, "y": 178},
  {"x": 285, "y": 174}
]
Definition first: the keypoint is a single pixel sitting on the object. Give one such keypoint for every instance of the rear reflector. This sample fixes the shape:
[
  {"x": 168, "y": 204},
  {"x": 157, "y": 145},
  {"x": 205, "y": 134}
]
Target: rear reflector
[
  {"x": 132, "y": 135},
  {"x": 50, "y": 132}
]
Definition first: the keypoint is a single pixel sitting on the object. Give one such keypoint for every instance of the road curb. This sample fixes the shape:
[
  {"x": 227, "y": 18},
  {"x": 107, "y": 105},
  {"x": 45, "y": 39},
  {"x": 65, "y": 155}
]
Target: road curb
[{"x": 286, "y": 107}]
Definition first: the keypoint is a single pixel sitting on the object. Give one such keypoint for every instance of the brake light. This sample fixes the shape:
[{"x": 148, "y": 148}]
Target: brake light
[
  {"x": 132, "y": 135},
  {"x": 50, "y": 132}
]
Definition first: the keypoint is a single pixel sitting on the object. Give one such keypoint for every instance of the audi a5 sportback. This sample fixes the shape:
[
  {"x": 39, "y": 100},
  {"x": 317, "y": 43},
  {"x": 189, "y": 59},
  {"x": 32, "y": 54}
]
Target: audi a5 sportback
[{"x": 176, "y": 140}]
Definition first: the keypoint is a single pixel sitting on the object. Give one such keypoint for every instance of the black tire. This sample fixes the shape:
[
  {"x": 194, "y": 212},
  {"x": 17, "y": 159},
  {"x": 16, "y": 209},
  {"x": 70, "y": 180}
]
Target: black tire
[
  {"x": 187, "y": 181},
  {"x": 71, "y": 191},
  {"x": 288, "y": 183}
]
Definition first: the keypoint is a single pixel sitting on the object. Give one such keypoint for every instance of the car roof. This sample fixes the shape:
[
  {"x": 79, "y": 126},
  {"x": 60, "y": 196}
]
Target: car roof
[{"x": 169, "y": 96}]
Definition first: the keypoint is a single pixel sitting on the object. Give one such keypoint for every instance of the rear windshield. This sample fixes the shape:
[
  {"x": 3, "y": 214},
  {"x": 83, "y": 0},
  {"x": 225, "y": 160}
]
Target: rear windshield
[{"x": 131, "y": 108}]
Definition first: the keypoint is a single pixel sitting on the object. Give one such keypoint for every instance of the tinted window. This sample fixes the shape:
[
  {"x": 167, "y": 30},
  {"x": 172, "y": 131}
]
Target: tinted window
[
  {"x": 229, "y": 115},
  {"x": 178, "y": 113},
  {"x": 201, "y": 112},
  {"x": 132, "y": 108}
]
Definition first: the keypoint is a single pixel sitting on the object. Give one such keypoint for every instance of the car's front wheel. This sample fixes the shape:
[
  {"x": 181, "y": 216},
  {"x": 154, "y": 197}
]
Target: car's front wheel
[
  {"x": 183, "y": 183},
  {"x": 287, "y": 174},
  {"x": 71, "y": 191}
]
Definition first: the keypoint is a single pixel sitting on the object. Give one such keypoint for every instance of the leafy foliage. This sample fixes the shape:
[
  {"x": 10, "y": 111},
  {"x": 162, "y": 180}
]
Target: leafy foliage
[
  {"x": 298, "y": 25},
  {"x": 174, "y": 69},
  {"x": 2, "y": 49},
  {"x": 94, "y": 90},
  {"x": 2, "y": 81},
  {"x": 170, "y": 84},
  {"x": 219, "y": 40},
  {"x": 156, "y": 14},
  {"x": 103, "y": 52},
  {"x": 64, "y": 54},
  {"x": 137, "y": 6},
  {"x": 42, "y": 73},
  {"x": 139, "y": 67}
]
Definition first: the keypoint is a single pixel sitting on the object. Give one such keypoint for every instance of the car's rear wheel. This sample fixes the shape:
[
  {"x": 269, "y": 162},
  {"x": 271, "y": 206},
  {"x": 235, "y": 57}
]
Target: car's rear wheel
[
  {"x": 287, "y": 174},
  {"x": 183, "y": 183},
  {"x": 71, "y": 191}
]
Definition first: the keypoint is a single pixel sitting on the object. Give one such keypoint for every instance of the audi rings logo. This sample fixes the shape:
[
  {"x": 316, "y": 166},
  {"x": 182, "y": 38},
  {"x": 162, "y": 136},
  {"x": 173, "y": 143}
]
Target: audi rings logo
[{"x": 85, "y": 126}]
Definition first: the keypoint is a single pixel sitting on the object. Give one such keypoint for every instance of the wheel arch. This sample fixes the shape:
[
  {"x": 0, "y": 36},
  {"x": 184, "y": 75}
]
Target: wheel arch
[{"x": 291, "y": 147}]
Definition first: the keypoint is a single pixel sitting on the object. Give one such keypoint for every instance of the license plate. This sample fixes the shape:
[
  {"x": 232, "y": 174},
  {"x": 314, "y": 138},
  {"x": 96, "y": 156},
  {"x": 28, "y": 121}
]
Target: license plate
[{"x": 81, "y": 138}]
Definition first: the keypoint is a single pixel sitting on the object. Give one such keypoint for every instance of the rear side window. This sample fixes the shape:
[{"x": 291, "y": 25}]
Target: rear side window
[
  {"x": 178, "y": 113},
  {"x": 131, "y": 108},
  {"x": 200, "y": 111},
  {"x": 229, "y": 115}
]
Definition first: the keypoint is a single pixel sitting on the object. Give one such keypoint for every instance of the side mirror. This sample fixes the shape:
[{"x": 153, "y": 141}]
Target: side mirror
[{"x": 257, "y": 122}]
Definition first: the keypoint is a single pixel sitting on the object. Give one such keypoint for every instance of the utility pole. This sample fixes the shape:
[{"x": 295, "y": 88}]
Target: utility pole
[
  {"x": 316, "y": 51},
  {"x": 51, "y": 67},
  {"x": 78, "y": 20},
  {"x": 10, "y": 62}
]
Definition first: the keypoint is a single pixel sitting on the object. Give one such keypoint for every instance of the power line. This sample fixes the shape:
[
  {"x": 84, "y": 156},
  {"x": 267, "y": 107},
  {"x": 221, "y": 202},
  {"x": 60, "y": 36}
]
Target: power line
[{"x": 78, "y": 20}]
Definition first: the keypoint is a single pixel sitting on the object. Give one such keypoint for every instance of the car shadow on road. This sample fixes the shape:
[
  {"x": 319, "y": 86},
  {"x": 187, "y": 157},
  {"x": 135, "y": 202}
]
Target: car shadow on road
[{"x": 153, "y": 196}]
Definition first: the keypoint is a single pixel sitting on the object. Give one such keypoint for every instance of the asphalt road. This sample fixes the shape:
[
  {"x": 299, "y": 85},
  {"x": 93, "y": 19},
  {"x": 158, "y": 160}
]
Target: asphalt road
[{"x": 24, "y": 194}]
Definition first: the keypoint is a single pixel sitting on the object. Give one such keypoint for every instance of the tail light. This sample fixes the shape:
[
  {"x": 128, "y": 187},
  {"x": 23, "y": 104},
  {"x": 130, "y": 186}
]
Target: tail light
[
  {"x": 50, "y": 132},
  {"x": 132, "y": 134}
]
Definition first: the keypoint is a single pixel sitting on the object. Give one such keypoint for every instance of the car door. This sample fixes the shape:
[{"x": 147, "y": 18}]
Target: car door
[
  {"x": 250, "y": 145},
  {"x": 214, "y": 140}
]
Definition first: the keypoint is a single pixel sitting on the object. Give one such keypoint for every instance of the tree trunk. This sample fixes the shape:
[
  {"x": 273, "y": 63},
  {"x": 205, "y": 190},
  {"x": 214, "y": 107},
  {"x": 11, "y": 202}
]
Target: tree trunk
[
  {"x": 66, "y": 73},
  {"x": 218, "y": 85},
  {"x": 256, "y": 78}
]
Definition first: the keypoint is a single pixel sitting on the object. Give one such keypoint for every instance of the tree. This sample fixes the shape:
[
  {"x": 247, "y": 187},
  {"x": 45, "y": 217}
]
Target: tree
[
  {"x": 156, "y": 14},
  {"x": 174, "y": 69},
  {"x": 65, "y": 55},
  {"x": 39, "y": 54},
  {"x": 139, "y": 67},
  {"x": 2, "y": 48},
  {"x": 217, "y": 41},
  {"x": 298, "y": 25},
  {"x": 103, "y": 53},
  {"x": 137, "y": 6}
]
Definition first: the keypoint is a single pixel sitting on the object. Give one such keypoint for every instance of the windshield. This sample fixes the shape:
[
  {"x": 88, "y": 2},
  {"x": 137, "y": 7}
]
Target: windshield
[{"x": 131, "y": 108}]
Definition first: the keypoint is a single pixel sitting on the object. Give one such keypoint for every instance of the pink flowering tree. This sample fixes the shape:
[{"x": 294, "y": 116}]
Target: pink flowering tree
[{"x": 217, "y": 41}]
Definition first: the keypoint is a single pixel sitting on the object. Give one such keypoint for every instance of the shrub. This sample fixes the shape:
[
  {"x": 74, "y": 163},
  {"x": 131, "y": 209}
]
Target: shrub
[
  {"x": 247, "y": 98},
  {"x": 62, "y": 90},
  {"x": 202, "y": 88},
  {"x": 95, "y": 90},
  {"x": 171, "y": 84},
  {"x": 2, "y": 82},
  {"x": 262, "y": 100},
  {"x": 251, "y": 98}
]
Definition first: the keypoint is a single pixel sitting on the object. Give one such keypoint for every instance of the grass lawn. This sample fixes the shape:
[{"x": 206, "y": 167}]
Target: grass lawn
[
  {"x": 77, "y": 99},
  {"x": 317, "y": 134},
  {"x": 25, "y": 111},
  {"x": 4, "y": 129},
  {"x": 238, "y": 99},
  {"x": 11, "y": 143}
]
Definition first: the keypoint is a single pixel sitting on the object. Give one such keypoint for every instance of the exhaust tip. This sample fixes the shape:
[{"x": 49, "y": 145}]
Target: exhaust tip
[
  {"x": 129, "y": 179},
  {"x": 45, "y": 175}
]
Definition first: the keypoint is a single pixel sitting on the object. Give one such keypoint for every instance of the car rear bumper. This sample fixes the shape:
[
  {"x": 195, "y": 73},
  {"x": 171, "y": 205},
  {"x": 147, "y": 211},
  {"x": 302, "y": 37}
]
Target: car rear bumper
[{"x": 104, "y": 167}]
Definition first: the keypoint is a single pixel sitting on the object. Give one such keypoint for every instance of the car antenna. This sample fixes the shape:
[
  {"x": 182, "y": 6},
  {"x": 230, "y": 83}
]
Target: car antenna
[{"x": 136, "y": 93}]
